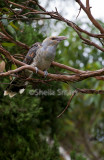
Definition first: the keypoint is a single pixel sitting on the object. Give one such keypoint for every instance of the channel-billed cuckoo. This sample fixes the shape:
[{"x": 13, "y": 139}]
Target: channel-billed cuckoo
[{"x": 40, "y": 56}]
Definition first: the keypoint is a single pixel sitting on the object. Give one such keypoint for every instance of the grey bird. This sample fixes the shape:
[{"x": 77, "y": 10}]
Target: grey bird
[{"x": 40, "y": 56}]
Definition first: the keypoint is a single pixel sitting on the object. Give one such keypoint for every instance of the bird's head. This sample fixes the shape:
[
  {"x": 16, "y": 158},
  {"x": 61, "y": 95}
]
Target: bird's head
[{"x": 53, "y": 41}]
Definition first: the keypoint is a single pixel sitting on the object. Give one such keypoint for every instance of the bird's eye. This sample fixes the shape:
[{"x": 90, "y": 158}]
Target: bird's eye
[{"x": 53, "y": 38}]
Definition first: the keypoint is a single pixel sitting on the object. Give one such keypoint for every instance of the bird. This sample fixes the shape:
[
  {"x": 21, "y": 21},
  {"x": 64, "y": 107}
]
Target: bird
[{"x": 40, "y": 56}]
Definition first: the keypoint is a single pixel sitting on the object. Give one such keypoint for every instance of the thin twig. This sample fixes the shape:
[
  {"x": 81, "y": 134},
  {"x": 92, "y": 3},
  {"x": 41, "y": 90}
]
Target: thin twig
[
  {"x": 26, "y": 18},
  {"x": 78, "y": 12},
  {"x": 90, "y": 91},
  {"x": 68, "y": 104}
]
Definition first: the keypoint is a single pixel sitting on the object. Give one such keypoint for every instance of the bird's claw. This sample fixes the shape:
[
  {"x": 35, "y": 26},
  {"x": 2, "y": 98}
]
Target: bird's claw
[
  {"x": 36, "y": 70},
  {"x": 45, "y": 74}
]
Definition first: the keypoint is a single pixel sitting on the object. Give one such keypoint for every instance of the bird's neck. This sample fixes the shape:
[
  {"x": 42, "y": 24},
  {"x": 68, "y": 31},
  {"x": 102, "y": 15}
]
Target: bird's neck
[{"x": 51, "y": 51}]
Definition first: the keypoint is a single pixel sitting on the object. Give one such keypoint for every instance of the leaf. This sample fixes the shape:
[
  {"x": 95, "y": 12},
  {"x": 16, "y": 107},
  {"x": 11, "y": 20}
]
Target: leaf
[
  {"x": 7, "y": 44},
  {"x": 5, "y": 9},
  {"x": 11, "y": 30},
  {"x": 4, "y": 21},
  {"x": 14, "y": 26},
  {"x": 3, "y": 57},
  {"x": 13, "y": 67},
  {"x": 2, "y": 66}
]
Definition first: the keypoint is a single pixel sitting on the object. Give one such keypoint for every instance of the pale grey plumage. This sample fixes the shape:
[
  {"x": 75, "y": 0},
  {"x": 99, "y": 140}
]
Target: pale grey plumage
[{"x": 41, "y": 56}]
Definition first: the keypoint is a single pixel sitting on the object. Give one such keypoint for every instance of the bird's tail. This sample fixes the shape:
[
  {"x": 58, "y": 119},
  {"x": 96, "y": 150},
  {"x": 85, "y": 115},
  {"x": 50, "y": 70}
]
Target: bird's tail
[
  {"x": 16, "y": 86},
  {"x": 11, "y": 93}
]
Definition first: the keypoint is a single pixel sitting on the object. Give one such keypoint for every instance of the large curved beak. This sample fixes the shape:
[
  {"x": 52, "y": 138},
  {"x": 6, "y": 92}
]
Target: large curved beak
[{"x": 60, "y": 38}]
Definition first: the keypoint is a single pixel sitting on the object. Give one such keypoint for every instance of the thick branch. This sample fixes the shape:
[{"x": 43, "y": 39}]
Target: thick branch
[
  {"x": 9, "y": 37},
  {"x": 56, "y": 15},
  {"x": 87, "y": 5},
  {"x": 68, "y": 68},
  {"x": 71, "y": 78},
  {"x": 92, "y": 19}
]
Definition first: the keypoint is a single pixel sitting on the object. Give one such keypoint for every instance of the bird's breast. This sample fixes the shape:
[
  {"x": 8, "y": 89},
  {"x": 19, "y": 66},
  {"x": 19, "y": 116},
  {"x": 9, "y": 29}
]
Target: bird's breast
[{"x": 44, "y": 59}]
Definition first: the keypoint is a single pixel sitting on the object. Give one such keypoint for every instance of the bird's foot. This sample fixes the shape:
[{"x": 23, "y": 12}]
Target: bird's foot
[
  {"x": 36, "y": 70},
  {"x": 45, "y": 74}
]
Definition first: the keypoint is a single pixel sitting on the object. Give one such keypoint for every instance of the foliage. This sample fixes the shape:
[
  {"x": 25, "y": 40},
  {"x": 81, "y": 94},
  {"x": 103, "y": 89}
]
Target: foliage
[
  {"x": 28, "y": 120},
  {"x": 84, "y": 121},
  {"x": 74, "y": 156}
]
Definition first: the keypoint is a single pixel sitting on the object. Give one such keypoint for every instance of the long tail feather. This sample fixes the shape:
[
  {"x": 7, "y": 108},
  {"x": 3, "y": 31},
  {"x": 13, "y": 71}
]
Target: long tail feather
[
  {"x": 17, "y": 85},
  {"x": 10, "y": 93}
]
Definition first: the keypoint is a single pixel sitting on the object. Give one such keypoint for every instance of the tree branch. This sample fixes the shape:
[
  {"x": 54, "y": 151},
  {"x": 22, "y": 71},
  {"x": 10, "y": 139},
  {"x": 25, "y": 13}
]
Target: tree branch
[
  {"x": 11, "y": 38},
  {"x": 56, "y": 15},
  {"x": 71, "y": 78},
  {"x": 68, "y": 104},
  {"x": 79, "y": 74},
  {"x": 92, "y": 19}
]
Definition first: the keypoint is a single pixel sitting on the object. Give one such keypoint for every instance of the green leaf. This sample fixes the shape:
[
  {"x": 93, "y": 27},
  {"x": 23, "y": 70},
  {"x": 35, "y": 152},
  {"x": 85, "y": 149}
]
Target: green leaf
[
  {"x": 13, "y": 67},
  {"x": 7, "y": 44},
  {"x": 4, "y": 21},
  {"x": 5, "y": 9},
  {"x": 14, "y": 26},
  {"x": 11, "y": 30}
]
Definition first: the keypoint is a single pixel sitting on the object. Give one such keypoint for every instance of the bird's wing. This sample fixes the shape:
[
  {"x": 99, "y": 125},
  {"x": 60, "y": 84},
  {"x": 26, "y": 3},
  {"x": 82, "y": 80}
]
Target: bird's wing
[
  {"x": 32, "y": 53},
  {"x": 18, "y": 83}
]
